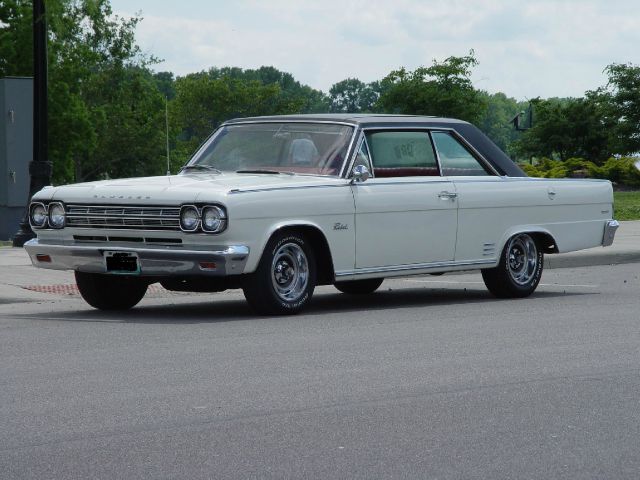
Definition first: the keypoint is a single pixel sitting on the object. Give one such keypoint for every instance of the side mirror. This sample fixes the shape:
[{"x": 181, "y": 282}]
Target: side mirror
[{"x": 360, "y": 174}]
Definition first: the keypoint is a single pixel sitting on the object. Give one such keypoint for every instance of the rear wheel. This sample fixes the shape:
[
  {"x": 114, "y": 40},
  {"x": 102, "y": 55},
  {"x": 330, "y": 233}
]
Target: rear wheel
[
  {"x": 519, "y": 270},
  {"x": 110, "y": 292},
  {"x": 285, "y": 278},
  {"x": 359, "y": 287}
]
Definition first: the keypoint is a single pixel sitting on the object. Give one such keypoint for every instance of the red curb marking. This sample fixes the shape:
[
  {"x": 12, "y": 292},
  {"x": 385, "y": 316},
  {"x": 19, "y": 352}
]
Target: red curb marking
[{"x": 72, "y": 289}]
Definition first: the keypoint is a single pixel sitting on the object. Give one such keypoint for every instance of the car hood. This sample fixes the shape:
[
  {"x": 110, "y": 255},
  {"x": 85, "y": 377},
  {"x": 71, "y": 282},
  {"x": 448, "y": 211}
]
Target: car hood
[{"x": 175, "y": 189}]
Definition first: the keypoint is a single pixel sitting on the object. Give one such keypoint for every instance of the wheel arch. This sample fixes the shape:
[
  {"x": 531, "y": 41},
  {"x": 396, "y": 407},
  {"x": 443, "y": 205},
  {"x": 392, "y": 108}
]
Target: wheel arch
[
  {"x": 543, "y": 238},
  {"x": 325, "y": 274}
]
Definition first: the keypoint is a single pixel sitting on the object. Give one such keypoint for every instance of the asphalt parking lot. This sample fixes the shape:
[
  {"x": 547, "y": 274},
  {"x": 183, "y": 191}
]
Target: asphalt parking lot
[{"x": 430, "y": 377}]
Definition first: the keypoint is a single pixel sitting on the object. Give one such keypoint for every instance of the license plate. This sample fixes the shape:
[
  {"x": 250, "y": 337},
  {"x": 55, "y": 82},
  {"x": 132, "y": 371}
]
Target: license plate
[{"x": 122, "y": 262}]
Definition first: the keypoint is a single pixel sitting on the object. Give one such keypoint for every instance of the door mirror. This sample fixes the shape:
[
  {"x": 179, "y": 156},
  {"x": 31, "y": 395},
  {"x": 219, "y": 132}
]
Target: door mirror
[{"x": 360, "y": 174}]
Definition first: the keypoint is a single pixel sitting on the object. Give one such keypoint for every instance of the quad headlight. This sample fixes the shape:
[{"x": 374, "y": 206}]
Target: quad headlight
[
  {"x": 207, "y": 218},
  {"x": 56, "y": 215},
  {"x": 38, "y": 215},
  {"x": 189, "y": 218},
  {"x": 42, "y": 216},
  {"x": 213, "y": 219}
]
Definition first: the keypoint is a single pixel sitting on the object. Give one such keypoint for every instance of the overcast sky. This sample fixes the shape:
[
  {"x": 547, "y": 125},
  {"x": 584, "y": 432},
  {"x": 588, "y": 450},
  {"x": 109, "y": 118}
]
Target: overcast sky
[{"x": 524, "y": 48}]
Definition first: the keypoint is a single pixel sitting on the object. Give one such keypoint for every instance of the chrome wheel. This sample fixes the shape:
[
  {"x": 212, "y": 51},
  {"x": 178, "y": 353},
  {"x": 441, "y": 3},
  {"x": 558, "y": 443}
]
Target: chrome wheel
[
  {"x": 522, "y": 259},
  {"x": 290, "y": 272}
]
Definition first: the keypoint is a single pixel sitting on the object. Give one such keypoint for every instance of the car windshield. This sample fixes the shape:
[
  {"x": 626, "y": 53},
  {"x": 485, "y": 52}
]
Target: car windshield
[{"x": 273, "y": 148}]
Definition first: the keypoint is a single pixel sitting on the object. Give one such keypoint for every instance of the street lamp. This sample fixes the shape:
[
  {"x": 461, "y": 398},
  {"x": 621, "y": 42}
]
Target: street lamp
[{"x": 39, "y": 168}]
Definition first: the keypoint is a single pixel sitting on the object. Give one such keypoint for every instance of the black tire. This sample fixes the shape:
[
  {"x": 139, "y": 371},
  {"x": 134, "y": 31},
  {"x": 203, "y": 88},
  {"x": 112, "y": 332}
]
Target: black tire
[
  {"x": 359, "y": 287},
  {"x": 284, "y": 281},
  {"x": 519, "y": 271},
  {"x": 110, "y": 292}
]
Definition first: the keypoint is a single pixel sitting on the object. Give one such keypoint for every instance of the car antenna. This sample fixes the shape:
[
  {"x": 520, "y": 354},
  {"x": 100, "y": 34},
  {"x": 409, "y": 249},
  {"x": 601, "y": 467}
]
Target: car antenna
[{"x": 166, "y": 122}]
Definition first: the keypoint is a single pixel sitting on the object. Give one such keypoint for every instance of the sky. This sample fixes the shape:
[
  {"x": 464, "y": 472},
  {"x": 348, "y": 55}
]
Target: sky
[{"x": 525, "y": 49}]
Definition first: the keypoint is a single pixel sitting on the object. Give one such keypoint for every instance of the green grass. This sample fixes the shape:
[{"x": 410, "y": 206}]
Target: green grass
[{"x": 626, "y": 205}]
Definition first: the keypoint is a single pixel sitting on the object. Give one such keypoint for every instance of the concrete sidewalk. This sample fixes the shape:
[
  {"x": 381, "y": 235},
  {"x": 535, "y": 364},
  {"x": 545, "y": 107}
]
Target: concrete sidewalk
[{"x": 20, "y": 281}]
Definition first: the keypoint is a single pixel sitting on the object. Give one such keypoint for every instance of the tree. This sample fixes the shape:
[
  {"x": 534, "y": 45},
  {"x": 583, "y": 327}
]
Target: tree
[
  {"x": 495, "y": 121},
  {"x": 16, "y": 38},
  {"x": 620, "y": 99},
  {"x": 566, "y": 128},
  {"x": 353, "y": 96},
  {"x": 443, "y": 89},
  {"x": 103, "y": 111},
  {"x": 202, "y": 103},
  {"x": 301, "y": 98}
]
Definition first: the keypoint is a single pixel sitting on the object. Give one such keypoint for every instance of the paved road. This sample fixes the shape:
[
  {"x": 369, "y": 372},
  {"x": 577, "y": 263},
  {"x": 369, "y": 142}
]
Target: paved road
[{"x": 429, "y": 378}]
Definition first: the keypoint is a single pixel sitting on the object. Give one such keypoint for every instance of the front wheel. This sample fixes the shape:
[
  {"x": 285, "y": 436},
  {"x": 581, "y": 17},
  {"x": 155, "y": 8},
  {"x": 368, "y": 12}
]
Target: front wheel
[
  {"x": 285, "y": 278},
  {"x": 110, "y": 292},
  {"x": 519, "y": 271},
  {"x": 359, "y": 287}
]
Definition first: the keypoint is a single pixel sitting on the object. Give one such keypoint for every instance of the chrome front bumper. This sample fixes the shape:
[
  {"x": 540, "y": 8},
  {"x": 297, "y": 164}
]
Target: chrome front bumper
[
  {"x": 609, "y": 232},
  {"x": 228, "y": 260}
]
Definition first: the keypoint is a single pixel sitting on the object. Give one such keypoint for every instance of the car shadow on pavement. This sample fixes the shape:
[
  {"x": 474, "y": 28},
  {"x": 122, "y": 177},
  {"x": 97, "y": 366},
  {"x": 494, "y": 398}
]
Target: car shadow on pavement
[{"x": 323, "y": 303}]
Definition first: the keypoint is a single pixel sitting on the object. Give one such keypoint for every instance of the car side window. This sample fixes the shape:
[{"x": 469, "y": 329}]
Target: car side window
[
  {"x": 455, "y": 159},
  {"x": 362, "y": 157},
  {"x": 400, "y": 153}
]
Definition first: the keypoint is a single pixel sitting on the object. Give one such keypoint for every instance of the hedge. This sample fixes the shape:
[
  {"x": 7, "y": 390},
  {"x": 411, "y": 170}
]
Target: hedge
[{"x": 620, "y": 170}]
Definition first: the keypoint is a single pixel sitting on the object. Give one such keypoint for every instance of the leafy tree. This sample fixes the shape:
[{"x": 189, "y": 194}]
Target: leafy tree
[
  {"x": 103, "y": 109},
  {"x": 202, "y": 103},
  {"x": 565, "y": 128},
  {"x": 165, "y": 83},
  {"x": 301, "y": 98},
  {"x": 353, "y": 96},
  {"x": 16, "y": 38},
  {"x": 620, "y": 99},
  {"x": 443, "y": 89},
  {"x": 495, "y": 121}
]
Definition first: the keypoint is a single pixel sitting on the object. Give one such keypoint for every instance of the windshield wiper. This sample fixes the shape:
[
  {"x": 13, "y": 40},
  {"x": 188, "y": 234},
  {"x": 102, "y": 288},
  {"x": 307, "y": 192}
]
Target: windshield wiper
[
  {"x": 200, "y": 167},
  {"x": 273, "y": 172}
]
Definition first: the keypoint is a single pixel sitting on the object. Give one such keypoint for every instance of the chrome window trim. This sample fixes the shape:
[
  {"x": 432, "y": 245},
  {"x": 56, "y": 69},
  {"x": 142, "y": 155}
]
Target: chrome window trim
[
  {"x": 477, "y": 155},
  {"x": 362, "y": 139},
  {"x": 348, "y": 153},
  {"x": 463, "y": 141}
]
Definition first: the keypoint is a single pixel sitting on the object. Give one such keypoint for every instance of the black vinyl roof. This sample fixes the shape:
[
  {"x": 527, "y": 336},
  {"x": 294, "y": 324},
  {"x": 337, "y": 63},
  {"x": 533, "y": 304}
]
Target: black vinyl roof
[{"x": 489, "y": 150}]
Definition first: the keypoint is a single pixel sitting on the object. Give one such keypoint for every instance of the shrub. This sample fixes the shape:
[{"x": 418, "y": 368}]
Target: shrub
[{"x": 621, "y": 170}]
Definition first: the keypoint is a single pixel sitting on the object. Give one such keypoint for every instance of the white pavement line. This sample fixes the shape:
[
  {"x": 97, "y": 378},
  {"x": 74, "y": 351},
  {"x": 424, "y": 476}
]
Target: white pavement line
[
  {"x": 440, "y": 281},
  {"x": 453, "y": 282}
]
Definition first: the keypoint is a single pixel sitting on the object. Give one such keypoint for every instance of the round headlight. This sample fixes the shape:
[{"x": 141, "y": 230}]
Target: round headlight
[
  {"x": 38, "y": 215},
  {"x": 212, "y": 219},
  {"x": 189, "y": 218},
  {"x": 56, "y": 215}
]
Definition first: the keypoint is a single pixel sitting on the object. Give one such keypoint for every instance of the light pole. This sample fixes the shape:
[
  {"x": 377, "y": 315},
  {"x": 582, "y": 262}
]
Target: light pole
[{"x": 39, "y": 168}]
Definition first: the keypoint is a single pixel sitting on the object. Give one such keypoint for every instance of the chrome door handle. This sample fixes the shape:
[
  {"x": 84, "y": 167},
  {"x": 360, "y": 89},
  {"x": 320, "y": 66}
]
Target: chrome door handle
[{"x": 447, "y": 195}]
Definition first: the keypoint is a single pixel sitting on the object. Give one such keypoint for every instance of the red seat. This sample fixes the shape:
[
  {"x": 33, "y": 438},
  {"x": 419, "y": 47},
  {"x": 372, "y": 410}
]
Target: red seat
[{"x": 386, "y": 172}]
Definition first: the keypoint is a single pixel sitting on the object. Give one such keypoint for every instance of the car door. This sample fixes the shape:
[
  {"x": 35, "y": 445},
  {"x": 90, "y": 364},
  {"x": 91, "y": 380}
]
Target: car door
[
  {"x": 406, "y": 214},
  {"x": 486, "y": 203}
]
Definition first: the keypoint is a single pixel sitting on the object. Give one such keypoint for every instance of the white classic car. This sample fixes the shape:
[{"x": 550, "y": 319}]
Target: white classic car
[{"x": 278, "y": 205}]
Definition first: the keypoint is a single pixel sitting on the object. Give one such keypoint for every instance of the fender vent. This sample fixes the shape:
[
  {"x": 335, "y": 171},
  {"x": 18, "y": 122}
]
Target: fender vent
[{"x": 489, "y": 250}]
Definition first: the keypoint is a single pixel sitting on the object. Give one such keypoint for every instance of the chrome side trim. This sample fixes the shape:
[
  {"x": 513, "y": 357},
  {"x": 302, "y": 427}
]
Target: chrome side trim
[
  {"x": 296, "y": 187},
  {"x": 415, "y": 268},
  {"x": 609, "y": 232}
]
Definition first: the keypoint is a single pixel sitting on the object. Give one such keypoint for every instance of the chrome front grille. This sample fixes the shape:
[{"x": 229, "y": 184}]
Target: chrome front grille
[{"x": 123, "y": 217}]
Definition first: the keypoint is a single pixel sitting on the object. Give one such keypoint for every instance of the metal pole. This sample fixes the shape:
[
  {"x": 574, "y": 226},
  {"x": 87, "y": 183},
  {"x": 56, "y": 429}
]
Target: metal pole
[
  {"x": 40, "y": 168},
  {"x": 166, "y": 122}
]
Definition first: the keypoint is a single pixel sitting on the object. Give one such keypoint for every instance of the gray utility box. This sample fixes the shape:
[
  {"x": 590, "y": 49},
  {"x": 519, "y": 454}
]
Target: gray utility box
[{"x": 16, "y": 151}]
